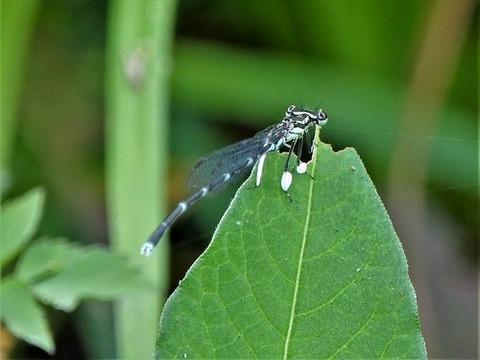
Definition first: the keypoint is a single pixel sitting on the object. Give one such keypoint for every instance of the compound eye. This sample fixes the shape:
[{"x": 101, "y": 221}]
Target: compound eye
[
  {"x": 322, "y": 117},
  {"x": 290, "y": 110}
]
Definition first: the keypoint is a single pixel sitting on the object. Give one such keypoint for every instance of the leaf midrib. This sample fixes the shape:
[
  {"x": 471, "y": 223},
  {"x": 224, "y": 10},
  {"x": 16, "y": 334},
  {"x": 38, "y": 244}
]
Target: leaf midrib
[{"x": 302, "y": 251}]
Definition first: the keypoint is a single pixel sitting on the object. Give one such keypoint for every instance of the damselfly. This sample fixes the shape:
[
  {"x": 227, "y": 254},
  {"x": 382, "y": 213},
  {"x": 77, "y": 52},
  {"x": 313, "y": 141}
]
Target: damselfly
[{"x": 211, "y": 173}]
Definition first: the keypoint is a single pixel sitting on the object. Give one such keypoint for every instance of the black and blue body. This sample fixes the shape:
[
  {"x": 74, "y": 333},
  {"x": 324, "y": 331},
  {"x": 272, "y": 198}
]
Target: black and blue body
[{"x": 212, "y": 173}]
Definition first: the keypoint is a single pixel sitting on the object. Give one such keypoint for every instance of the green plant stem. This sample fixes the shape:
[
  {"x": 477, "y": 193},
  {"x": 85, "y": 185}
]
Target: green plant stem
[
  {"x": 17, "y": 22},
  {"x": 138, "y": 55}
]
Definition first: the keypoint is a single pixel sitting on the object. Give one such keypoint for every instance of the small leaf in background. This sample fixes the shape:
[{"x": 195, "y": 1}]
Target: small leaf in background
[
  {"x": 321, "y": 276},
  {"x": 92, "y": 273},
  {"x": 45, "y": 257},
  {"x": 23, "y": 316},
  {"x": 55, "y": 271},
  {"x": 19, "y": 220}
]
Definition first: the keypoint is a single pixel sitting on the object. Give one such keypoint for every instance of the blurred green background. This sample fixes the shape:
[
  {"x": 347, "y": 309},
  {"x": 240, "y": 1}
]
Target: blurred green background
[{"x": 397, "y": 79}]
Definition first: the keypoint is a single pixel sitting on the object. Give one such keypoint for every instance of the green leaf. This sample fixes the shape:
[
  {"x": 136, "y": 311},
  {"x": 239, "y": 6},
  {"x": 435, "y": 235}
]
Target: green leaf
[
  {"x": 45, "y": 257},
  {"x": 18, "y": 222},
  {"x": 91, "y": 273},
  {"x": 23, "y": 316},
  {"x": 323, "y": 276}
]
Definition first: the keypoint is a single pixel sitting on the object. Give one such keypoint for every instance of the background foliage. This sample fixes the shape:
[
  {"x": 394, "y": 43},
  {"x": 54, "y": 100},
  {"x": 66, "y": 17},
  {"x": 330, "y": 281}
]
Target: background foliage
[{"x": 398, "y": 80}]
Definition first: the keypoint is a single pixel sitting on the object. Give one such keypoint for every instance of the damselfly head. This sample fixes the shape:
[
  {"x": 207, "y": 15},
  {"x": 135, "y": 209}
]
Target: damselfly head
[{"x": 318, "y": 117}]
